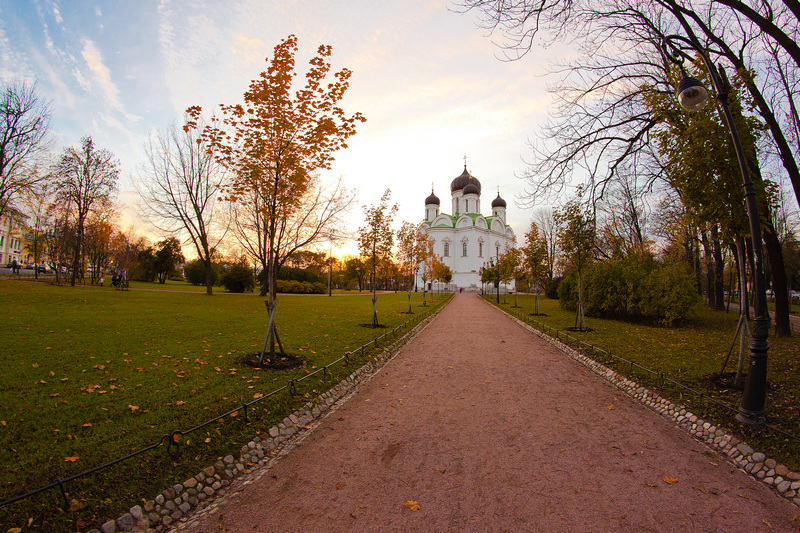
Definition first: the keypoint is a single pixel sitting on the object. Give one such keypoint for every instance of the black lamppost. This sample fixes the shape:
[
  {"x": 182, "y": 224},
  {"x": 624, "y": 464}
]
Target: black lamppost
[
  {"x": 416, "y": 271},
  {"x": 692, "y": 95}
]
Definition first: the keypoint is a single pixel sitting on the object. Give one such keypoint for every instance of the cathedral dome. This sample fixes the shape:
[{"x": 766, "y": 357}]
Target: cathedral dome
[
  {"x": 463, "y": 180},
  {"x": 471, "y": 188},
  {"x": 432, "y": 199},
  {"x": 498, "y": 202}
]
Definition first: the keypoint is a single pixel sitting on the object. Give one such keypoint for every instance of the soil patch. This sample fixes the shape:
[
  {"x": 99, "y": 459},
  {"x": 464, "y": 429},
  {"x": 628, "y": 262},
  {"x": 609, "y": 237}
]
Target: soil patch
[
  {"x": 379, "y": 326},
  {"x": 277, "y": 362},
  {"x": 579, "y": 330}
]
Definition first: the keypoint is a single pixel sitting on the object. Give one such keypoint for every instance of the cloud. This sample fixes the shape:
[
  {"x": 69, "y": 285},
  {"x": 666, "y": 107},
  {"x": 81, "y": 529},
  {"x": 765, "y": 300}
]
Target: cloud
[
  {"x": 102, "y": 76},
  {"x": 251, "y": 50}
]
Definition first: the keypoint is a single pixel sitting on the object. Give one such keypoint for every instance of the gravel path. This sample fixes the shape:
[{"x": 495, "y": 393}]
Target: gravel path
[{"x": 488, "y": 428}]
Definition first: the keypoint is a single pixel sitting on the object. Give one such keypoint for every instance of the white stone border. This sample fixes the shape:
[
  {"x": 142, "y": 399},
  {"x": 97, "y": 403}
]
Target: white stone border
[{"x": 784, "y": 481}]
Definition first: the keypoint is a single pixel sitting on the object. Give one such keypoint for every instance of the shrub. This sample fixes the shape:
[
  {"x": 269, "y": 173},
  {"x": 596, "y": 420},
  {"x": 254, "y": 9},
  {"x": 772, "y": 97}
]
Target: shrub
[
  {"x": 195, "y": 272},
  {"x": 568, "y": 291},
  {"x": 300, "y": 287},
  {"x": 636, "y": 287},
  {"x": 551, "y": 288},
  {"x": 239, "y": 278}
]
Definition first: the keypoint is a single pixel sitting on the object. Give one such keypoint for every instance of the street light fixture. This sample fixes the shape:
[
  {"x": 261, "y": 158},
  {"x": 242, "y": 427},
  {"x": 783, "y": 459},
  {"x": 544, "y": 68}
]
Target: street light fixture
[{"x": 693, "y": 95}]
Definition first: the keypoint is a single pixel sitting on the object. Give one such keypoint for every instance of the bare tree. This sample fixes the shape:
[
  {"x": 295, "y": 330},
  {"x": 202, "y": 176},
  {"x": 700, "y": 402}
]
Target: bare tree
[
  {"x": 179, "y": 186},
  {"x": 86, "y": 178},
  {"x": 548, "y": 229},
  {"x": 24, "y": 135}
]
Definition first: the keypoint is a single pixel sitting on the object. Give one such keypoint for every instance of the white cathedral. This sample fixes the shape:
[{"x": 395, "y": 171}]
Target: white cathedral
[{"x": 466, "y": 240}]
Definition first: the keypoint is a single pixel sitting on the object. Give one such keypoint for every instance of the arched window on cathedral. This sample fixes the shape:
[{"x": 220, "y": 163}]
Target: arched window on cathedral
[
  {"x": 480, "y": 249},
  {"x": 447, "y": 249},
  {"x": 464, "y": 249}
]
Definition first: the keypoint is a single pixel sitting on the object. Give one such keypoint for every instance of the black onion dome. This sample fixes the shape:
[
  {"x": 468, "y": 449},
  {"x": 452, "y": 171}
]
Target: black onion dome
[
  {"x": 498, "y": 202},
  {"x": 471, "y": 188},
  {"x": 463, "y": 180},
  {"x": 432, "y": 199}
]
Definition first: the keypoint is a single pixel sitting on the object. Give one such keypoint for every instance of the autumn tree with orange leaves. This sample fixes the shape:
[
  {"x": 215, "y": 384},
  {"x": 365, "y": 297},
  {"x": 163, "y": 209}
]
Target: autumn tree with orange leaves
[{"x": 274, "y": 144}]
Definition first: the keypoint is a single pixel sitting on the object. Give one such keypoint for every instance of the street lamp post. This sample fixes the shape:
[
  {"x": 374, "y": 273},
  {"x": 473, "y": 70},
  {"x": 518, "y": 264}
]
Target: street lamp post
[
  {"x": 416, "y": 271},
  {"x": 692, "y": 95}
]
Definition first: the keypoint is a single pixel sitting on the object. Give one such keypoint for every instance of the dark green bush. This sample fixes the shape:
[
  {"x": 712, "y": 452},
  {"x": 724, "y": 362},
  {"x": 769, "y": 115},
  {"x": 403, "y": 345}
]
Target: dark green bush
[
  {"x": 633, "y": 288},
  {"x": 195, "y": 272},
  {"x": 568, "y": 291},
  {"x": 551, "y": 288},
  {"x": 239, "y": 277}
]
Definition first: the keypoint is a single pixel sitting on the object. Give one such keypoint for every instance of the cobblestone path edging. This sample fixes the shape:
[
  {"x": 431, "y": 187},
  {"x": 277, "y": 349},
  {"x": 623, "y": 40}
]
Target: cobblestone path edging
[
  {"x": 169, "y": 511},
  {"x": 785, "y": 482}
]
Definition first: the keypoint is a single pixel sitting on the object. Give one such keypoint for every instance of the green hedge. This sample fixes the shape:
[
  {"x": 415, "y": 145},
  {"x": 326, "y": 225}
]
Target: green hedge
[{"x": 300, "y": 287}]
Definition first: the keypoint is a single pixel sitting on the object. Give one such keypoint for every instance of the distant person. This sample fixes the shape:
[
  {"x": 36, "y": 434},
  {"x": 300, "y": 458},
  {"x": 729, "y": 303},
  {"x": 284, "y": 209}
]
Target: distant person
[
  {"x": 14, "y": 267},
  {"x": 102, "y": 279}
]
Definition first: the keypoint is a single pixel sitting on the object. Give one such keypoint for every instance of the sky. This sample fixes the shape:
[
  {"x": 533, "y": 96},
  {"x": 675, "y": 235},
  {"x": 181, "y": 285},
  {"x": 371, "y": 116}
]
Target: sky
[{"x": 429, "y": 80}]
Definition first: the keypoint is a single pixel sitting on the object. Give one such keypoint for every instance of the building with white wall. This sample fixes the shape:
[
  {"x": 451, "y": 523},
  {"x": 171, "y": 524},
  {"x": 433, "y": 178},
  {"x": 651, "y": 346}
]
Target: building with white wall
[
  {"x": 12, "y": 243},
  {"x": 466, "y": 240}
]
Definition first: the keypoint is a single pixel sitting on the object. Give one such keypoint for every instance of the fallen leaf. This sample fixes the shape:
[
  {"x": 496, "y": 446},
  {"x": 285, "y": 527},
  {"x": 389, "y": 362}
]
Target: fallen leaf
[
  {"x": 338, "y": 487},
  {"x": 3, "y": 423},
  {"x": 257, "y": 395},
  {"x": 768, "y": 524},
  {"x": 35, "y": 365},
  {"x": 180, "y": 402},
  {"x": 87, "y": 425},
  {"x": 611, "y": 407},
  {"x": 670, "y": 480},
  {"x": 71, "y": 459},
  {"x": 701, "y": 489},
  {"x": 792, "y": 519},
  {"x": 411, "y": 504},
  {"x": 133, "y": 408},
  {"x": 52, "y": 373}
]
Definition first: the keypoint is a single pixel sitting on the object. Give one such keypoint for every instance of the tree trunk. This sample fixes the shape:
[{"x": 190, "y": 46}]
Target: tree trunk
[
  {"x": 209, "y": 276},
  {"x": 719, "y": 271},
  {"x": 780, "y": 283},
  {"x": 709, "y": 269}
]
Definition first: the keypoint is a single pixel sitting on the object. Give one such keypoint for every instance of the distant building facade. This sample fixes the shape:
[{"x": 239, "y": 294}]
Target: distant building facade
[
  {"x": 12, "y": 243},
  {"x": 466, "y": 240}
]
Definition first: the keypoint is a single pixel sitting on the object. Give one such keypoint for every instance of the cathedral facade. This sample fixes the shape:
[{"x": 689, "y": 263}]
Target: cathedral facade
[{"x": 466, "y": 240}]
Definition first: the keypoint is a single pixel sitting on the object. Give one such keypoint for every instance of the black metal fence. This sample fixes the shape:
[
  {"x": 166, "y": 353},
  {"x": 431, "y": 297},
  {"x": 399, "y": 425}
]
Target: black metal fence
[
  {"x": 172, "y": 439},
  {"x": 659, "y": 380}
]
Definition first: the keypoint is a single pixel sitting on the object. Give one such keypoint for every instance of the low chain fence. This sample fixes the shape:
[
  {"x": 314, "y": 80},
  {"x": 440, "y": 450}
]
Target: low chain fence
[{"x": 171, "y": 440}]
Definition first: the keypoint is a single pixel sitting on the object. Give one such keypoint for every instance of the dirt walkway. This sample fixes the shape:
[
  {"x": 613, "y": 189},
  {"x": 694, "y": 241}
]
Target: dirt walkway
[{"x": 490, "y": 429}]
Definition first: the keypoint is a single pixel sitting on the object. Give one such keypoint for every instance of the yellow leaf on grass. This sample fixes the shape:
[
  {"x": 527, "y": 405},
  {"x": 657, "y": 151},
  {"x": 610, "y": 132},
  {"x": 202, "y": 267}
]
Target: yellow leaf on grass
[
  {"x": 411, "y": 504},
  {"x": 133, "y": 408},
  {"x": 3, "y": 423},
  {"x": 180, "y": 402},
  {"x": 670, "y": 480},
  {"x": 257, "y": 395},
  {"x": 71, "y": 459}
]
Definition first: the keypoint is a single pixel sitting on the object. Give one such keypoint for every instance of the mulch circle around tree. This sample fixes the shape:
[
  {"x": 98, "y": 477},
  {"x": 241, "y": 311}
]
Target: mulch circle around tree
[
  {"x": 579, "y": 330},
  {"x": 373, "y": 327},
  {"x": 278, "y": 362},
  {"x": 537, "y": 314},
  {"x": 722, "y": 381}
]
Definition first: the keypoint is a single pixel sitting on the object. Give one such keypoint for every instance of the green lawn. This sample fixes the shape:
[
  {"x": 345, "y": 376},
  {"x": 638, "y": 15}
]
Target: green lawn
[
  {"x": 92, "y": 374},
  {"x": 693, "y": 354}
]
